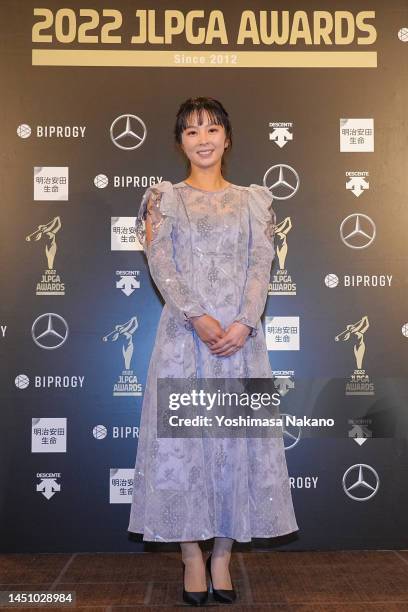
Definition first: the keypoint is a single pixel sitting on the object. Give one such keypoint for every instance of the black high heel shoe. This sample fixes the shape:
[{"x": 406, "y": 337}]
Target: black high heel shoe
[
  {"x": 227, "y": 596},
  {"x": 194, "y": 598}
]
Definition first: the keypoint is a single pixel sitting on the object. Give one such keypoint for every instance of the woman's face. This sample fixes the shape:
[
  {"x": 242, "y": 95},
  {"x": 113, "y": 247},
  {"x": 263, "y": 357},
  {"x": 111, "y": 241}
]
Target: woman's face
[{"x": 204, "y": 144}]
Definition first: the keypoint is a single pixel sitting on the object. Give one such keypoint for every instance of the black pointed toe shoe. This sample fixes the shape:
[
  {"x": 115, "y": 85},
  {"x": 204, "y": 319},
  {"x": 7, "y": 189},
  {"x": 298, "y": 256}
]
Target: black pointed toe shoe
[
  {"x": 194, "y": 598},
  {"x": 227, "y": 596}
]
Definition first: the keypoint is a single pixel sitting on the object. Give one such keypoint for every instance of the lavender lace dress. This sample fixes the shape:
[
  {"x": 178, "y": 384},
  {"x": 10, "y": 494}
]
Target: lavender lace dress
[{"x": 211, "y": 252}]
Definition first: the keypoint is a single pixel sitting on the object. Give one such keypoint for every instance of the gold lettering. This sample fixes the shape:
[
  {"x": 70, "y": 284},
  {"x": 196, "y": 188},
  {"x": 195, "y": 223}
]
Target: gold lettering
[
  {"x": 171, "y": 30},
  {"x": 300, "y": 28},
  {"x": 142, "y": 36},
  {"x": 248, "y": 28},
  {"x": 216, "y": 19},
  {"x": 151, "y": 28},
  {"x": 339, "y": 16},
  {"x": 322, "y": 31},
  {"x": 366, "y": 27},
  {"x": 194, "y": 39}
]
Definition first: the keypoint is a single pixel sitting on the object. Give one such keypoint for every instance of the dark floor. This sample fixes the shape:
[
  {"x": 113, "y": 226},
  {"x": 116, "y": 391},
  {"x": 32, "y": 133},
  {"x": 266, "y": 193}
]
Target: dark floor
[{"x": 307, "y": 581}]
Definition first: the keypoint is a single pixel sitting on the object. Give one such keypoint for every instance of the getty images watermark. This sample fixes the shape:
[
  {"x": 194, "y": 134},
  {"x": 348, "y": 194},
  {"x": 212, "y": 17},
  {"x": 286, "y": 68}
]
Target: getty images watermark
[{"x": 224, "y": 407}]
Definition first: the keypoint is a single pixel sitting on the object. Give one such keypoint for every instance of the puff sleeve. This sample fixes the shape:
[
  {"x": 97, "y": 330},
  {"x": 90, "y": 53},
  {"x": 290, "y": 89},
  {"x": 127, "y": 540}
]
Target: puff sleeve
[
  {"x": 160, "y": 203},
  {"x": 261, "y": 253}
]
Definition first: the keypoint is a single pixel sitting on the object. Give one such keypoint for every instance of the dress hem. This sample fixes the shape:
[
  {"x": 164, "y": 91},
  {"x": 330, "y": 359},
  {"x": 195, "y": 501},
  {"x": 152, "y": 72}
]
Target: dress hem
[{"x": 195, "y": 539}]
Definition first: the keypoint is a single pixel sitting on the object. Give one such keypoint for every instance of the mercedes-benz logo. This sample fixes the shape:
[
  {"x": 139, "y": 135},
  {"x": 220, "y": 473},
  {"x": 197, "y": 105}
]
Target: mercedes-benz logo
[
  {"x": 130, "y": 130},
  {"x": 49, "y": 331},
  {"x": 286, "y": 182},
  {"x": 291, "y": 434},
  {"x": 357, "y": 231},
  {"x": 361, "y": 482}
]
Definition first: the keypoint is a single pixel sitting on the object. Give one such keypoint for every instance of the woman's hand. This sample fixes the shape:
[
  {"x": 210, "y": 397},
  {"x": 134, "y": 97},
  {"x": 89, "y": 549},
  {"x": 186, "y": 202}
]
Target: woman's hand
[
  {"x": 232, "y": 341},
  {"x": 208, "y": 328}
]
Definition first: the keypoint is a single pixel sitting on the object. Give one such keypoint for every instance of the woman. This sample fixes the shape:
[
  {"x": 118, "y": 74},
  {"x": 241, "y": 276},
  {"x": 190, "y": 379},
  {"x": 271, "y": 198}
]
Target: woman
[{"x": 210, "y": 246}]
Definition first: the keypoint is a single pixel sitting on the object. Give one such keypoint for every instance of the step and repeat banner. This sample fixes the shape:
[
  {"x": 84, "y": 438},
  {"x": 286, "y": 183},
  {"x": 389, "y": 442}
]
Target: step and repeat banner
[{"x": 317, "y": 96}]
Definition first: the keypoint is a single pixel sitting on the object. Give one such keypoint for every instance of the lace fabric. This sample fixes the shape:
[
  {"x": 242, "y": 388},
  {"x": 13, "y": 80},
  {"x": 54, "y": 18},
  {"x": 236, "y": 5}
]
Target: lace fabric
[
  {"x": 175, "y": 289},
  {"x": 158, "y": 204},
  {"x": 261, "y": 253},
  {"x": 152, "y": 210},
  {"x": 209, "y": 252}
]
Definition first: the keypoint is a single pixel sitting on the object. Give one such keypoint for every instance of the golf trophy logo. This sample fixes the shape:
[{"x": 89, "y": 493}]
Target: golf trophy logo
[
  {"x": 127, "y": 383},
  {"x": 359, "y": 382},
  {"x": 50, "y": 283},
  {"x": 282, "y": 282}
]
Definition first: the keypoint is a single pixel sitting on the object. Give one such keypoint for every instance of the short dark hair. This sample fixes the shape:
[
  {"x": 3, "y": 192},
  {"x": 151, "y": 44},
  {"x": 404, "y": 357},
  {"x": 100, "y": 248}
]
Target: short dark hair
[{"x": 214, "y": 109}]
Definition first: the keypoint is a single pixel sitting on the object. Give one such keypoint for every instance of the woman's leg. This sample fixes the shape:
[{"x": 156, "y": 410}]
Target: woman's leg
[
  {"x": 195, "y": 578},
  {"x": 220, "y": 559}
]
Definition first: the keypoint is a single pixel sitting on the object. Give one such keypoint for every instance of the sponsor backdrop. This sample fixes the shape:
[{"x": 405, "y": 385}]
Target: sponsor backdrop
[{"x": 317, "y": 96}]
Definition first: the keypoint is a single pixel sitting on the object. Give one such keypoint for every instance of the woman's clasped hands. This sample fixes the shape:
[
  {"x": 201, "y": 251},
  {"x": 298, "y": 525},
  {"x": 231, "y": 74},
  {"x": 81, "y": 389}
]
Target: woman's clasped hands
[{"x": 221, "y": 342}]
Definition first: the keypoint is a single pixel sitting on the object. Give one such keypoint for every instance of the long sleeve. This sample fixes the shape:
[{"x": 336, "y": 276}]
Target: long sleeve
[
  {"x": 159, "y": 202},
  {"x": 262, "y": 219}
]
